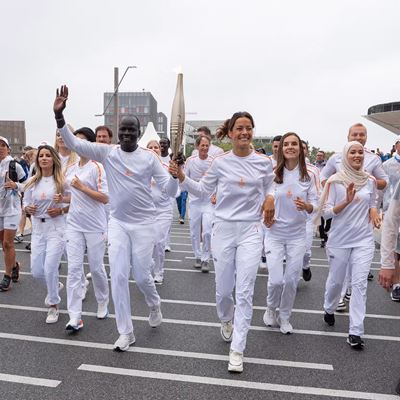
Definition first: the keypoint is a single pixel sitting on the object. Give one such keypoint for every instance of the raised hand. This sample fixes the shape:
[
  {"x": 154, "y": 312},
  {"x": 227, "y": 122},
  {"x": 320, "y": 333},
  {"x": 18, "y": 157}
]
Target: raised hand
[
  {"x": 269, "y": 211},
  {"x": 77, "y": 183},
  {"x": 60, "y": 100},
  {"x": 350, "y": 193}
]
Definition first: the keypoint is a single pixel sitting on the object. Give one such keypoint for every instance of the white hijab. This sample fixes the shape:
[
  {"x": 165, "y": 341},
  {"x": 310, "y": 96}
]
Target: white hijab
[{"x": 345, "y": 176}]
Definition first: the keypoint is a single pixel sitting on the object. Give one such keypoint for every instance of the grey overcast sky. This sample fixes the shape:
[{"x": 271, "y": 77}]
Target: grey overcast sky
[{"x": 313, "y": 67}]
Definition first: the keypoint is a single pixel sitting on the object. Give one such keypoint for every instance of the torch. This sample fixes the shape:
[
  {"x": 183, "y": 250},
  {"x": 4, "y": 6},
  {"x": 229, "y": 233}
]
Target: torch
[{"x": 177, "y": 125}]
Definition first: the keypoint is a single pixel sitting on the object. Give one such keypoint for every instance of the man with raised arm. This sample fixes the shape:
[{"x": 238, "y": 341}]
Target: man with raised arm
[{"x": 129, "y": 170}]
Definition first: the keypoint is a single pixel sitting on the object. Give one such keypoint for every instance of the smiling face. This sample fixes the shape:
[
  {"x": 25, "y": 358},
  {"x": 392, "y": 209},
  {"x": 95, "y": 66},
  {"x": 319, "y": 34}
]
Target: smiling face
[
  {"x": 291, "y": 148},
  {"x": 164, "y": 146},
  {"x": 355, "y": 157},
  {"x": 242, "y": 133},
  {"x": 358, "y": 133},
  {"x": 102, "y": 136},
  {"x": 128, "y": 133},
  {"x": 3, "y": 150},
  {"x": 203, "y": 147},
  {"x": 153, "y": 145},
  {"x": 45, "y": 159}
]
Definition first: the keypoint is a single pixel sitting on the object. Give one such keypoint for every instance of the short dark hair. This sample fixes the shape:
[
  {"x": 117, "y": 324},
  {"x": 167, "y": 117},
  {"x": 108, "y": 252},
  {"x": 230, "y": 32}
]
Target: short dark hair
[
  {"x": 198, "y": 140},
  {"x": 104, "y": 128},
  {"x": 277, "y": 138},
  {"x": 204, "y": 129},
  {"x": 166, "y": 139},
  {"x": 321, "y": 151}
]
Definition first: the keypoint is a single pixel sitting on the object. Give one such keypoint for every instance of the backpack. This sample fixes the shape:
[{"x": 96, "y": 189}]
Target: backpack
[{"x": 12, "y": 172}]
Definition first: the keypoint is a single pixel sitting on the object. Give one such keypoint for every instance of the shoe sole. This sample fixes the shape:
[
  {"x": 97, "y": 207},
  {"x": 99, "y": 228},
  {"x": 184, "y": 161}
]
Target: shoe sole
[
  {"x": 121, "y": 349},
  {"x": 355, "y": 346},
  {"x": 396, "y": 300},
  {"x": 105, "y": 316},
  {"x": 286, "y": 332},
  {"x": 341, "y": 308},
  {"x": 235, "y": 368},
  {"x": 52, "y": 322},
  {"x": 225, "y": 339},
  {"x": 205, "y": 270},
  {"x": 71, "y": 328},
  {"x": 3, "y": 289}
]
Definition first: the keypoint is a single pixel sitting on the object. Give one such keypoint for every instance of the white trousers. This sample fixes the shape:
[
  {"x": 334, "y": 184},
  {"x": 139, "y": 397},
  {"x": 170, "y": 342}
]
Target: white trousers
[
  {"x": 283, "y": 281},
  {"x": 130, "y": 244},
  {"x": 48, "y": 243},
  {"x": 358, "y": 259},
  {"x": 309, "y": 239},
  {"x": 161, "y": 236},
  {"x": 77, "y": 242},
  {"x": 201, "y": 217},
  {"x": 236, "y": 249}
]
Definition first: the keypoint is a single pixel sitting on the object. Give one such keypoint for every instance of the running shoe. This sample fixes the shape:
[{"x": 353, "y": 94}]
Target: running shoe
[
  {"x": 74, "y": 325},
  {"x": 269, "y": 317},
  {"x": 124, "y": 341},
  {"x": 102, "y": 310},
  {"x": 155, "y": 317},
  {"x": 167, "y": 249},
  {"x": 370, "y": 276},
  {"x": 342, "y": 305},
  {"x": 89, "y": 275},
  {"x": 15, "y": 272},
  {"x": 395, "y": 294},
  {"x": 329, "y": 318},
  {"x": 235, "y": 361},
  {"x": 307, "y": 274},
  {"x": 323, "y": 243},
  {"x": 158, "y": 279},
  {"x": 347, "y": 296},
  {"x": 19, "y": 238},
  {"x": 28, "y": 246},
  {"x": 197, "y": 263},
  {"x": 205, "y": 266},
  {"x": 227, "y": 331},
  {"x": 355, "y": 342},
  {"x": 5, "y": 284},
  {"x": 52, "y": 315},
  {"x": 181, "y": 221},
  {"x": 285, "y": 326}
]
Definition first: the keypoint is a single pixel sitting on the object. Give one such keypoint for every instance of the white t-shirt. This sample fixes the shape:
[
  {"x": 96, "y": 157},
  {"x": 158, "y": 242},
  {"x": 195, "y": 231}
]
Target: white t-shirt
[
  {"x": 213, "y": 151},
  {"x": 291, "y": 223},
  {"x": 128, "y": 177},
  {"x": 372, "y": 165},
  {"x": 241, "y": 183},
  {"x": 42, "y": 195},
  {"x": 351, "y": 227},
  {"x": 10, "y": 203},
  {"x": 274, "y": 162},
  {"x": 86, "y": 214},
  {"x": 195, "y": 168},
  {"x": 392, "y": 169},
  {"x": 166, "y": 159}
]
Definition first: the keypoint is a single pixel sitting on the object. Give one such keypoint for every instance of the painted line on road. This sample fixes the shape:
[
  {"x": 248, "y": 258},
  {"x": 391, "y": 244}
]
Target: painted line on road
[
  {"x": 324, "y": 259},
  {"x": 169, "y": 353},
  {"x": 206, "y": 380},
  {"x": 27, "y": 380},
  {"x": 212, "y": 324}
]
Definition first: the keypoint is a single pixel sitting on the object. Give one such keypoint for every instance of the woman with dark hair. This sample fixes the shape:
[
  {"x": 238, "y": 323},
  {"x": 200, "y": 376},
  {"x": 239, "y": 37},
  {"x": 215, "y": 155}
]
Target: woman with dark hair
[
  {"x": 42, "y": 200},
  {"x": 200, "y": 208},
  {"x": 241, "y": 178},
  {"x": 295, "y": 194}
]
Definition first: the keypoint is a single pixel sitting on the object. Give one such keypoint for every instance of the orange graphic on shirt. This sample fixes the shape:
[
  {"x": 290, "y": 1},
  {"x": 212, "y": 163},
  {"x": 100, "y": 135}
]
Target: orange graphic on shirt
[
  {"x": 357, "y": 199},
  {"x": 128, "y": 173},
  {"x": 289, "y": 193},
  {"x": 43, "y": 196},
  {"x": 241, "y": 182}
]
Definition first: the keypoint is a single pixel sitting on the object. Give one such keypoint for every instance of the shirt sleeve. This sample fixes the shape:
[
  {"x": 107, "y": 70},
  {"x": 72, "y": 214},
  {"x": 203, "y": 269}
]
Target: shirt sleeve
[
  {"x": 92, "y": 151},
  {"x": 312, "y": 194},
  {"x": 164, "y": 180},
  {"x": 330, "y": 202},
  {"x": 390, "y": 231},
  {"x": 207, "y": 184},
  {"x": 378, "y": 171},
  {"x": 268, "y": 179},
  {"x": 374, "y": 196},
  {"x": 329, "y": 169}
]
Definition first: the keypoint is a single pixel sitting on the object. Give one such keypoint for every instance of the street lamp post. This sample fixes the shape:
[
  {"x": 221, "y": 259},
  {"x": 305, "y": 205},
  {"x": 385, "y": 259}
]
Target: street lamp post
[{"x": 115, "y": 98}]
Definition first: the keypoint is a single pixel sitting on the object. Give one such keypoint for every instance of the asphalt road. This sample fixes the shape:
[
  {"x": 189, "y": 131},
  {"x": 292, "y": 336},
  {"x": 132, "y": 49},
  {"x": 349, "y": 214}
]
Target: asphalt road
[{"x": 185, "y": 358}]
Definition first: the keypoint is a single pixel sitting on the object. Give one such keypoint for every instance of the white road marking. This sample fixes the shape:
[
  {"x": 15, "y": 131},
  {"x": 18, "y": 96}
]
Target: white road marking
[
  {"x": 164, "y": 352},
  {"x": 27, "y": 380},
  {"x": 206, "y": 380},
  {"x": 211, "y": 324}
]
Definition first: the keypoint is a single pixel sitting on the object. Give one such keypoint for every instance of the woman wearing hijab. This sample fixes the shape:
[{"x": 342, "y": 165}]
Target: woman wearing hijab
[{"x": 349, "y": 198}]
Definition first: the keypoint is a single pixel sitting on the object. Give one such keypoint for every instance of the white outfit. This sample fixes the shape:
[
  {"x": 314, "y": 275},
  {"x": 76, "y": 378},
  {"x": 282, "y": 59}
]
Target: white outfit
[
  {"x": 86, "y": 229},
  {"x": 350, "y": 245},
  {"x": 131, "y": 229},
  {"x": 287, "y": 238},
  {"x": 200, "y": 208},
  {"x": 10, "y": 202},
  {"x": 392, "y": 169},
  {"x": 162, "y": 202},
  {"x": 241, "y": 184},
  {"x": 213, "y": 151},
  {"x": 48, "y": 236}
]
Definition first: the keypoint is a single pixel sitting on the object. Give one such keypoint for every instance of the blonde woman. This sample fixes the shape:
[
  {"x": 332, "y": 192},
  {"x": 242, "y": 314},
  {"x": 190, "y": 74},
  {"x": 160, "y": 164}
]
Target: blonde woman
[
  {"x": 42, "y": 200},
  {"x": 67, "y": 156}
]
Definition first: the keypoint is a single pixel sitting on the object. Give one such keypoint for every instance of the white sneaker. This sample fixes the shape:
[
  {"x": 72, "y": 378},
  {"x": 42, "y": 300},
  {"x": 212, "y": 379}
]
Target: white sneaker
[
  {"x": 46, "y": 300},
  {"x": 124, "y": 341},
  {"x": 85, "y": 289},
  {"x": 235, "y": 361},
  {"x": 285, "y": 326},
  {"x": 197, "y": 263},
  {"x": 102, "y": 310},
  {"x": 270, "y": 317},
  {"x": 168, "y": 249},
  {"x": 52, "y": 315},
  {"x": 155, "y": 317},
  {"x": 158, "y": 279},
  {"x": 74, "y": 324},
  {"x": 89, "y": 275},
  {"x": 227, "y": 331}
]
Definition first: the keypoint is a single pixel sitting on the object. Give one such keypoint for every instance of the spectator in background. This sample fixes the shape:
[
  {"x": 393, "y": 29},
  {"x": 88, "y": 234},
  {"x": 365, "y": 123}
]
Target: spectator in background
[
  {"x": 320, "y": 161},
  {"x": 103, "y": 134},
  {"x": 213, "y": 150},
  {"x": 275, "y": 146}
]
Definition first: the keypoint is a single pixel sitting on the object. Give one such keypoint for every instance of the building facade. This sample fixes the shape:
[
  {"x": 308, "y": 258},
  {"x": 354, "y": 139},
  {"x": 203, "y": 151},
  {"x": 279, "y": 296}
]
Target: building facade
[
  {"x": 140, "y": 104},
  {"x": 15, "y": 132}
]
